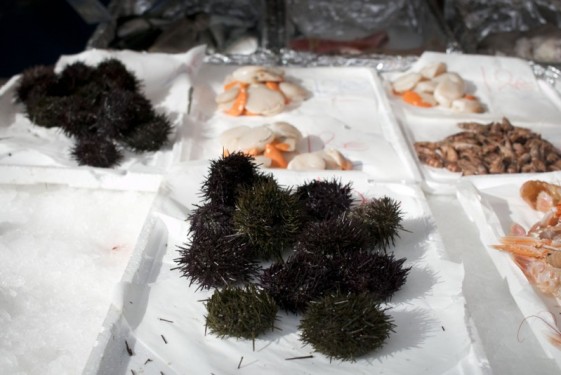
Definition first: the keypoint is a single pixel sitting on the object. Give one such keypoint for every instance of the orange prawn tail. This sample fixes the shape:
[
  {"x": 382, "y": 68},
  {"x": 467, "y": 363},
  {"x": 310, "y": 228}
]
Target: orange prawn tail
[{"x": 522, "y": 246}]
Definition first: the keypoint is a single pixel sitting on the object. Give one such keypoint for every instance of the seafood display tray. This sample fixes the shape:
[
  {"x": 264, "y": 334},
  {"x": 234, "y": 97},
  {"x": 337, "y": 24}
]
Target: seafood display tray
[
  {"x": 494, "y": 204},
  {"x": 507, "y": 87},
  {"x": 347, "y": 110},
  {"x": 34, "y": 154},
  {"x": 156, "y": 322}
]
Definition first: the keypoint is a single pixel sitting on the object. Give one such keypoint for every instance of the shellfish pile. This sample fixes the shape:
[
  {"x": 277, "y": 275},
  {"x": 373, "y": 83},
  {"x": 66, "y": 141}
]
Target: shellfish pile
[
  {"x": 498, "y": 147},
  {"x": 435, "y": 86},
  {"x": 258, "y": 90}
]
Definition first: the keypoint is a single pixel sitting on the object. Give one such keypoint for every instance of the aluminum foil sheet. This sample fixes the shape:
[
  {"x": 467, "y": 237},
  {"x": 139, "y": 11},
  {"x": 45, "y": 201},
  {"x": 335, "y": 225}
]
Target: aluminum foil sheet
[
  {"x": 528, "y": 29},
  {"x": 411, "y": 27}
]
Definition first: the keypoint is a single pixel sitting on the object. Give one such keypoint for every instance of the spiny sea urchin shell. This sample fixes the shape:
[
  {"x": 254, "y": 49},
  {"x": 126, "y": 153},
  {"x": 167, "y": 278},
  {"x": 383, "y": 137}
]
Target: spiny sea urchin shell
[
  {"x": 240, "y": 312},
  {"x": 74, "y": 76},
  {"x": 120, "y": 111},
  {"x": 226, "y": 176},
  {"x": 379, "y": 274},
  {"x": 345, "y": 327},
  {"x": 270, "y": 216},
  {"x": 340, "y": 235},
  {"x": 96, "y": 152},
  {"x": 382, "y": 219},
  {"x": 36, "y": 81},
  {"x": 47, "y": 111},
  {"x": 324, "y": 199},
  {"x": 212, "y": 218},
  {"x": 302, "y": 278},
  {"x": 113, "y": 74},
  {"x": 148, "y": 136},
  {"x": 215, "y": 261}
]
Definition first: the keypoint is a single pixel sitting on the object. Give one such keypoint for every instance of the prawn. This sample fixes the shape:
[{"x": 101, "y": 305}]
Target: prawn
[{"x": 538, "y": 252}]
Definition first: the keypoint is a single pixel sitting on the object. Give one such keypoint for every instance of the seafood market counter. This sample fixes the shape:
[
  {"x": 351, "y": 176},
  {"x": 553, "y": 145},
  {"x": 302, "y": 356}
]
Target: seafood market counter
[{"x": 101, "y": 281}]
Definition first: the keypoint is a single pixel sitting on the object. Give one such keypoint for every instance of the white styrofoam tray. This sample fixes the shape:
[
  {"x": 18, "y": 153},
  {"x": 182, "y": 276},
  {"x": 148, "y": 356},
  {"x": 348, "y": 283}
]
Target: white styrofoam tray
[
  {"x": 34, "y": 154},
  {"x": 506, "y": 86},
  {"x": 433, "y": 334},
  {"x": 347, "y": 110},
  {"x": 494, "y": 204}
]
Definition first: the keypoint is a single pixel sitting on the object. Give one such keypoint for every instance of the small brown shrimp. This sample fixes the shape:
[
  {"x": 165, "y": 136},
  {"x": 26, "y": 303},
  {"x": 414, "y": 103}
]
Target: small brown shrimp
[{"x": 541, "y": 195}]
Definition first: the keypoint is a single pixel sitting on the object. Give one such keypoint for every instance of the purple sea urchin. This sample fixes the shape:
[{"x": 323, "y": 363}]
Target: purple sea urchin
[
  {"x": 382, "y": 219},
  {"x": 240, "y": 312},
  {"x": 324, "y": 199},
  {"x": 36, "y": 81},
  {"x": 96, "y": 152},
  {"x": 122, "y": 111},
  {"x": 340, "y": 235},
  {"x": 212, "y": 218},
  {"x": 345, "y": 327},
  {"x": 113, "y": 74},
  {"x": 227, "y": 176},
  {"x": 270, "y": 216},
  {"x": 74, "y": 76},
  {"x": 148, "y": 136},
  {"x": 215, "y": 261},
  {"x": 302, "y": 278},
  {"x": 380, "y": 275}
]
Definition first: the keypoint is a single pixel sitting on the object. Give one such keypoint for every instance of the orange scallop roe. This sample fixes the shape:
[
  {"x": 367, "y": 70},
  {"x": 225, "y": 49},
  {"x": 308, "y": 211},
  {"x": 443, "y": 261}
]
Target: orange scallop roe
[{"x": 415, "y": 99}]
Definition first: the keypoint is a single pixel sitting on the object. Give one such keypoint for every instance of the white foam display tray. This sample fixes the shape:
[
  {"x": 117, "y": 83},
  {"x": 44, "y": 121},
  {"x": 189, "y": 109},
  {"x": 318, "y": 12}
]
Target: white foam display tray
[
  {"x": 347, "y": 110},
  {"x": 494, "y": 204},
  {"x": 34, "y": 154},
  {"x": 506, "y": 86},
  {"x": 433, "y": 334}
]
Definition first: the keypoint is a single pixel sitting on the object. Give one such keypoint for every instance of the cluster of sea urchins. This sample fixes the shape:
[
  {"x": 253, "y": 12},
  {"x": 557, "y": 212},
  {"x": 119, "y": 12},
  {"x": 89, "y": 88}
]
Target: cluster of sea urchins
[
  {"x": 101, "y": 107},
  {"x": 325, "y": 252}
]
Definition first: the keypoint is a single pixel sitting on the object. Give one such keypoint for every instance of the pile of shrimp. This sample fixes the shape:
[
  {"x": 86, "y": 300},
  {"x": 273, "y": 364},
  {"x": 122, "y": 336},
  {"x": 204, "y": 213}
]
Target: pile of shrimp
[{"x": 538, "y": 251}]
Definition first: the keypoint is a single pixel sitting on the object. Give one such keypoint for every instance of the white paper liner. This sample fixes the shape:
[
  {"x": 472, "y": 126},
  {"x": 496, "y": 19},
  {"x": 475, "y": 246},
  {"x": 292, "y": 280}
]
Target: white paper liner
[
  {"x": 494, "y": 204},
  {"x": 166, "y": 80},
  {"x": 432, "y": 335},
  {"x": 347, "y": 111}
]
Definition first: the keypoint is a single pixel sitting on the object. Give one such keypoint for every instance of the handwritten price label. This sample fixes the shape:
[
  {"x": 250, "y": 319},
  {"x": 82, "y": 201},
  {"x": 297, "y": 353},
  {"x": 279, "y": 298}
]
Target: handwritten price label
[{"x": 504, "y": 80}]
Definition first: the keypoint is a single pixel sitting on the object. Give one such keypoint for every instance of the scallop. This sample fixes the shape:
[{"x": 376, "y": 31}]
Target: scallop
[
  {"x": 255, "y": 138},
  {"x": 406, "y": 82},
  {"x": 293, "y": 91},
  {"x": 464, "y": 105},
  {"x": 335, "y": 160},
  {"x": 308, "y": 161},
  {"x": 264, "y": 101},
  {"x": 228, "y": 96},
  {"x": 252, "y": 74},
  {"x": 426, "y": 86},
  {"x": 432, "y": 70},
  {"x": 229, "y": 138},
  {"x": 447, "y": 91}
]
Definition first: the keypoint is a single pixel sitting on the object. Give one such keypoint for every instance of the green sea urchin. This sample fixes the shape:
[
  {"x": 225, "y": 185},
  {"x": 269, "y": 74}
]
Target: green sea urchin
[
  {"x": 240, "y": 312},
  {"x": 324, "y": 199},
  {"x": 270, "y": 216},
  {"x": 113, "y": 74},
  {"x": 345, "y": 327},
  {"x": 382, "y": 219}
]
